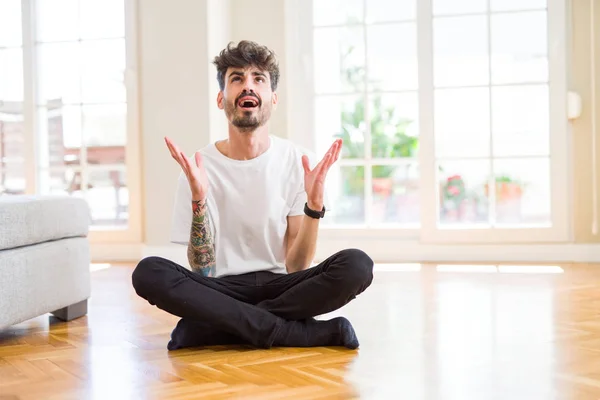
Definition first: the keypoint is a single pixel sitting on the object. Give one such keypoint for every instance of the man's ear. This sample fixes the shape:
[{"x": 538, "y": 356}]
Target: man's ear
[
  {"x": 274, "y": 99},
  {"x": 220, "y": 100}
]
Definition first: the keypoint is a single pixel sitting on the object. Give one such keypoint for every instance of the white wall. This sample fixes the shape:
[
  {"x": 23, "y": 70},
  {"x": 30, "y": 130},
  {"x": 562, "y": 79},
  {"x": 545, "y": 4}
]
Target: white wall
[
  {"x": 263, "y": 21},
  {"x": 218, "y": 36},
  {"x": 173, "y": 53}
]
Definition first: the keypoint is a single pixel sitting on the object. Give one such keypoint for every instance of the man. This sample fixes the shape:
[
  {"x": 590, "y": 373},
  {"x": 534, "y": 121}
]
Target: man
[{"x": 248, "y": 209}]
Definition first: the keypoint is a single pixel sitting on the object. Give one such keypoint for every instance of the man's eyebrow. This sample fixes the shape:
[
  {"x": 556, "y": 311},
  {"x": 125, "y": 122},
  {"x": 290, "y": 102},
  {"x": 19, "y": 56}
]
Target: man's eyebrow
[
  {"x": 240, "y": 73},
  {"x": 236, "y": 73}
]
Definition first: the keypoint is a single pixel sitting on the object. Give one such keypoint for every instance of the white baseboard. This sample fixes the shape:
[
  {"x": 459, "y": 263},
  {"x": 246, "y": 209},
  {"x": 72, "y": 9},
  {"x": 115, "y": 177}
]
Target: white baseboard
[
  {"x": 389, "y": 251},
  {"x": 394, "y": 251},
  {"x": 115, "y": 252}
]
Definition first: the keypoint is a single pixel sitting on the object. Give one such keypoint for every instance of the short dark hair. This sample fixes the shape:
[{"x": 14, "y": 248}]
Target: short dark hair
[{"x": 247, "y": 53}]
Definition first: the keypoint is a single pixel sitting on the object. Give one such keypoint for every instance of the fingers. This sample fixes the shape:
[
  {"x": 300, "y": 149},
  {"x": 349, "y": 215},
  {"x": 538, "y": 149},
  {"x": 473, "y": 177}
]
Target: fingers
[
  {"x": 336, "y": 150},
  {"x": 186, "y": 165},
  {"x": 323, "y": 166},
  {"x": 332, "y": 155},
  {"x": 339, "y": 150},
  {"x": 198, "y": 158},
  {"x": 174, "y": 150},
  {"x": 171, "y": 147},
  {"x": 182, "y": 159},
  {"x": 305, "y": 164}
]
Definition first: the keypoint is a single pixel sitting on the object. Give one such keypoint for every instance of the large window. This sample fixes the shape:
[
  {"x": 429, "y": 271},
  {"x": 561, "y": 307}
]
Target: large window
[
  {"x": 452, "y": 112},
  {"x": 66, "y": 123}
]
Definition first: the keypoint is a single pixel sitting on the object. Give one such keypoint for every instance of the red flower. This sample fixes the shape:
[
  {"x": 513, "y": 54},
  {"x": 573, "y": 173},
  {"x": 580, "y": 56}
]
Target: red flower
[{"x": 453, "y": 190}]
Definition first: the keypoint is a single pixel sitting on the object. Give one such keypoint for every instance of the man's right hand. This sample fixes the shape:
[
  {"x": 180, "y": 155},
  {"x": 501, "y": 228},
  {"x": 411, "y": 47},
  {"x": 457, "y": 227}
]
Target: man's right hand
[{"x": 195, "y": 172}]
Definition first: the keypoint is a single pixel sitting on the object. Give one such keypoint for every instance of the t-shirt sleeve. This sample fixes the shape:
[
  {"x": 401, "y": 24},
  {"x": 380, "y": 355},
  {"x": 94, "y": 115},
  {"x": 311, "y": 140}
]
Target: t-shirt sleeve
[
  {"x": 300, "y": 197},
  {"x": 299, "y": 200},
  {"x": 182, "y": 212}
]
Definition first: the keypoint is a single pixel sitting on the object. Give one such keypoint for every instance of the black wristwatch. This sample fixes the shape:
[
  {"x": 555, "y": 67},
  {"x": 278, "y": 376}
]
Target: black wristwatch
[{"x": 312, "y": 213}]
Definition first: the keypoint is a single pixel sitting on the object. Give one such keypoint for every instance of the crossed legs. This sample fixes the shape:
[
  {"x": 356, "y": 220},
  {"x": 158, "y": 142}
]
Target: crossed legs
[{"x": 260, "y": 309}]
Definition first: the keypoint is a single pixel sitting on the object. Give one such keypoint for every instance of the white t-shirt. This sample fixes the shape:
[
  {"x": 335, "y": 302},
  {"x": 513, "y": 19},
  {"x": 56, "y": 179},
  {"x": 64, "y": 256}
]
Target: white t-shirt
[{"x": 248, "y": 205}]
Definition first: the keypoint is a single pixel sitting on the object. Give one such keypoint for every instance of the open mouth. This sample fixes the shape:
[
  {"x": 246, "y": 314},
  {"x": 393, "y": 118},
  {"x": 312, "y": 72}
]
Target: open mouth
[{"x": 248, "y": 102}]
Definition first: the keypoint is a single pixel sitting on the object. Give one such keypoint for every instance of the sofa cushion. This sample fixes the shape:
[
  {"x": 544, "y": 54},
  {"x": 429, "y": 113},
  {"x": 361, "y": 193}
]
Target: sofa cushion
[{"x": 26, "y": 220}]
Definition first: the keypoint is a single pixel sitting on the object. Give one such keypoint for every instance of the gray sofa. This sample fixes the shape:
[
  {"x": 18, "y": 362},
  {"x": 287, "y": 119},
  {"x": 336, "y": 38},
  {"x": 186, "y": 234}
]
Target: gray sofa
[{"x": 44, "y": 257}]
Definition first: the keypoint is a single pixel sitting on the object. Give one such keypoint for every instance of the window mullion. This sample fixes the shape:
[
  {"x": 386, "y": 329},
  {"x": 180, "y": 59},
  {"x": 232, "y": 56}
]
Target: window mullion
[
  {"x": 29, "y": 95},
  {"x": 368, "y": 148},
  {"x": 427, "y": 158},
  {"x": 492, "y": 175}
]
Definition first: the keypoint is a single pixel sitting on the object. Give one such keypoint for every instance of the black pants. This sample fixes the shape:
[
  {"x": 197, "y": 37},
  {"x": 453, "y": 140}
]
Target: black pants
[{"x": 248, "y": 308}]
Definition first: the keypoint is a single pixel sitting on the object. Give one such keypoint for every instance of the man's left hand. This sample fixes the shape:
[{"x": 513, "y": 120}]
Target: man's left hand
[{"x": 314, "y": 180}]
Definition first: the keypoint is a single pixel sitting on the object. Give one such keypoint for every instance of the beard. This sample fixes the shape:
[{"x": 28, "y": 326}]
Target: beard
[{"x": 247, "y": 120}]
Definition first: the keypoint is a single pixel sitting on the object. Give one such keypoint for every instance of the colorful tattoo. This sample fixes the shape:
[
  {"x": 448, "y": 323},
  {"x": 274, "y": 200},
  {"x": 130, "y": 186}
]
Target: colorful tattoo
[{"x": 201, "y": 249}]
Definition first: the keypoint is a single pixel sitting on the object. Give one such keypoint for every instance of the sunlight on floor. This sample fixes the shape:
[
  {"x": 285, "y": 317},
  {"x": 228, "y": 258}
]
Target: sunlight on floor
[
  {"x": 99, "y": 266},
  {"x": 397, "y": 267},
  {"x": 467, "y": 268},
  {"x": 471, "y": 268},
  {"x": 530, "y": 269}
]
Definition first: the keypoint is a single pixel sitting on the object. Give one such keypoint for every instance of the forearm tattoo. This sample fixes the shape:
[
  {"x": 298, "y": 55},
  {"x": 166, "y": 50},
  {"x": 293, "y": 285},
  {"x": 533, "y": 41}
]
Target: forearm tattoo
[{"x": 201, "y": 249}]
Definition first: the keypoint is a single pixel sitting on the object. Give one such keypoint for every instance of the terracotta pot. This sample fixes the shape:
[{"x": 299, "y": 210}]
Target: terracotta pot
[{"x": 382, "y": 186}]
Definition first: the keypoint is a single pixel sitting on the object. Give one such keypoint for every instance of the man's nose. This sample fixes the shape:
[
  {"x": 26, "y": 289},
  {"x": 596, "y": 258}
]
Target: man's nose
[{"x": 249, "y": 85}]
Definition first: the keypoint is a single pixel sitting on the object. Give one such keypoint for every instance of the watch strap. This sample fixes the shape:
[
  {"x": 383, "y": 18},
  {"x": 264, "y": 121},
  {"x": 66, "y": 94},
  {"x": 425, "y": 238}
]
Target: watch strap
[{"x": 312, "y": 213}]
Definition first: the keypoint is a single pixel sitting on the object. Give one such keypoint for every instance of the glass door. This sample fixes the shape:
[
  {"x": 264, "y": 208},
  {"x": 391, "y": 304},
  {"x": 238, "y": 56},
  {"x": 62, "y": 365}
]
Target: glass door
[
  {"x": 453, "y": 115},
  {"x": 68, "y": 108},
  {"x": 494, "y": 149}
]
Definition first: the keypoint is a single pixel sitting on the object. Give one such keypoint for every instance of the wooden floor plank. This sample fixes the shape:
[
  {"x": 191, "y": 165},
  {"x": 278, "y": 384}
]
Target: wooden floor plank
[{"x": 424, "y": 334}]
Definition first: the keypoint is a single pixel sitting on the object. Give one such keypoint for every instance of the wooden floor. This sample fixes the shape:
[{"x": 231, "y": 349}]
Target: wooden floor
[{"x": 426, "y": 332}]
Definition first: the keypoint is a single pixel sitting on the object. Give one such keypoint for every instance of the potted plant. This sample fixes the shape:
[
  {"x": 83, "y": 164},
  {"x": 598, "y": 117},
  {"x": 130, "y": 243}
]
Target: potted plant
[{"x": 507, "y": 189}]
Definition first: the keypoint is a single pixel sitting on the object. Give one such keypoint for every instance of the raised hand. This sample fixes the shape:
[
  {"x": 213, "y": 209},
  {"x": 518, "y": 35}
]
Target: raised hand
[
  {"x": 314, "y": 180},
  {"x": 194, "y": 171}
]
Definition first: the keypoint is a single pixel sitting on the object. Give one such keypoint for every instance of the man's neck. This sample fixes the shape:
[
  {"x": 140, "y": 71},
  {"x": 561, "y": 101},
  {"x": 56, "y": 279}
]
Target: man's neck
[{"x": 246, "y": 145}]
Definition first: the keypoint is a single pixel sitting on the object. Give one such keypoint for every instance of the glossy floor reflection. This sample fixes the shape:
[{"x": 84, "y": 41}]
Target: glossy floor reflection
[{"x": 427, "y": 332}]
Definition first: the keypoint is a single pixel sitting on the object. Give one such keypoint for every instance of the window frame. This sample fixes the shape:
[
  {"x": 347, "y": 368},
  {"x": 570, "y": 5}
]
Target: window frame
[
  {"x": 132, "y": 232},
  {"x": 299, "y": 57}
]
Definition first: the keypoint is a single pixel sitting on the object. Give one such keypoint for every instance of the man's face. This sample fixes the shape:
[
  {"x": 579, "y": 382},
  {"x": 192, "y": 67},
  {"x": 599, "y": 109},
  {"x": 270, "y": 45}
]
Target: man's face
[{"x": 247, "y": 98}]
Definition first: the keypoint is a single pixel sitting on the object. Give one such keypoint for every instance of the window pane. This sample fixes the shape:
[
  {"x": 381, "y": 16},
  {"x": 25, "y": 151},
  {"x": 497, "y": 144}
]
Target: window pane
[
  {"x": 519, "y": 47},
  {"x": 339, "y": 60},
  {"x": 59, "y": 73},
  {"x": 10, "y": 23},
  {"x": 448, "y": 7},
  {"x": 12, "y": 178},
  {"x": 337, "y": 12},
  {"x": 57, "y": 20},
  {"x": 391, "y": 10},
  {"x": 394, "y": 125},
  {"x": 523, "y": 191},
  {"x": 105, "y": 132},
  {"x": 460, "y": 51},
  {"x": 396, "y": 194},
  {"x": 515, "y": 5},
  {"x": 103, "y": 68},
  {"x": 12, "y": 148},
  {"x": 61, "y": 182},
  {"x": 521, "y": 120},
  {"x": 11, "y": 75},
  {"x": 392, "y": 67},
  {"x": 345, "y": 191},
  {"x": 341, "y": 117},
  {"x": 462, "y": 122},
  {"x": 102, "y": 19},
  {"x": 463, "y": 198},
  {"x": 59, "y": 136},
  {"x": 108, "y": 198}
]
